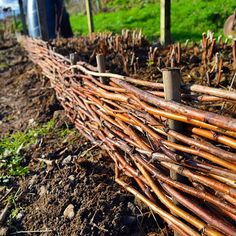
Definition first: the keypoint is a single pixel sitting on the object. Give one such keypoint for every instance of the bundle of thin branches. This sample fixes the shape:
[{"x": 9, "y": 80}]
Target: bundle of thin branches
[{"x": 130, "y": 122}]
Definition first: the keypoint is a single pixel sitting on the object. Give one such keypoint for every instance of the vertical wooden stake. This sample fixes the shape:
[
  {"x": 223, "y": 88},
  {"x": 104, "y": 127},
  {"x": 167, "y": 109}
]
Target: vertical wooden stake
[
  {"x": 234, "y": 54},
  {"x": 179, "y": 53},
  {"x": 101, "y": 67},
  {"x": 90, "y": 16},
  {"x": 172, "y": 83},
  {"x": 165, "y": 22},
  {"x": 73, "y": 60}
]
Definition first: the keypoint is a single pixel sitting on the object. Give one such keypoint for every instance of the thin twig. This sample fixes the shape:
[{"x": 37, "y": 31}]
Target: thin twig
[
  {"x": 91, "y": 148},
  {"x": 31, "y": 231},
  {"x": 9, "y": 191},
  {"x": 4, "y": 213}
]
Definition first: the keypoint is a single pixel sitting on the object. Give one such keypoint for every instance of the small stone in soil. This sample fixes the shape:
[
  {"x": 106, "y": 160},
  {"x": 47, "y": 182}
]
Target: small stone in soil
[
  {"x": 31, "y": 122},
  {"x": 69, "y": 212},
  {"x": 32, "y": 181},
  {"x": 42, "y": 190},
  {"x": 19, "y": 216},
  {"x": 3, "y": 231},
  {"x": 67, "y": 160},
  {"x": 71, "y": 177}
]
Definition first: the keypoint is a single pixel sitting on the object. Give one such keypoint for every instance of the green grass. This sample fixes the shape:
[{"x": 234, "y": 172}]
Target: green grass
[
  {"x": 11, "y": 146},
  {"x": 189, "y": 18},
  {"x": 12, "y": 162}
]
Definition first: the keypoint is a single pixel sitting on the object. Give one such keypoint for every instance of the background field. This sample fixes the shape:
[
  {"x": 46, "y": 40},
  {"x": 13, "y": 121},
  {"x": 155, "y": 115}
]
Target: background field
[{"x": 189, "y": 17}]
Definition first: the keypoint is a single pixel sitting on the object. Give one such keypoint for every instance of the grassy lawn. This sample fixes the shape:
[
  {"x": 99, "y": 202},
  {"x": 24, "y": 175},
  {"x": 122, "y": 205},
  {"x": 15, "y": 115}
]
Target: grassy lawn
[{"x": 189, "y": 18}]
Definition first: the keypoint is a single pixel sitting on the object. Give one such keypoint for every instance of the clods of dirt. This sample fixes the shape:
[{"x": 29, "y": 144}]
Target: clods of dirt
[
  {"x": 82, "y": 198},
  {"x": 26, "y": 97}
]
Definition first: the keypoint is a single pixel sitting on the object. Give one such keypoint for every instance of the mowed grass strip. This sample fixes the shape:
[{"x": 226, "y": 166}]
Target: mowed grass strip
[{"x": 189, "y": 18}]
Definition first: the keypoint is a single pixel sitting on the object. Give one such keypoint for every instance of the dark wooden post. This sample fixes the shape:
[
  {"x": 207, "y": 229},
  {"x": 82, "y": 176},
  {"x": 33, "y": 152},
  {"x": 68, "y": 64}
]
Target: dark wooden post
[
  {"x": 101, "y": 67},
  {"x": 22, "y": 15},
  {"x": 165, "y": 22},
  {"x": 90, "y": 16},
  {"x": 73, "y": 59},
  {"x": 172, "y": 83}
]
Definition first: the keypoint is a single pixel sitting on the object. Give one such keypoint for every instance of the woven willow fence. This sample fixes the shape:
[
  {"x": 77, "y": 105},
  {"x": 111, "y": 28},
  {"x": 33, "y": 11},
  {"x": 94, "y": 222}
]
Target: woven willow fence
[{"x": 128, "y": 119}]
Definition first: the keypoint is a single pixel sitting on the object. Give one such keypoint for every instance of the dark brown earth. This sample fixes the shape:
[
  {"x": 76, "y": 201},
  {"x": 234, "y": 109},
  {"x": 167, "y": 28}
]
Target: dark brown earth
[
  {"x": 63, "y": 169},
  {"x": 25, "y": 95}
]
